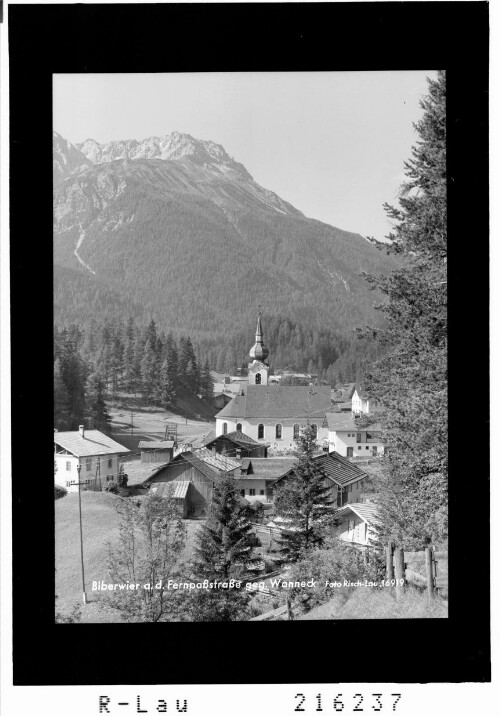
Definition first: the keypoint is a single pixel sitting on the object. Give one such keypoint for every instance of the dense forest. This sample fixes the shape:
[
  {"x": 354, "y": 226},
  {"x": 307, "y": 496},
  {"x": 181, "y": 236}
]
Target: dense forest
[
  {"x": 92, "y": 365},
  {"x": 94, "y": 361},
  {"x": 157, "y": 239}
]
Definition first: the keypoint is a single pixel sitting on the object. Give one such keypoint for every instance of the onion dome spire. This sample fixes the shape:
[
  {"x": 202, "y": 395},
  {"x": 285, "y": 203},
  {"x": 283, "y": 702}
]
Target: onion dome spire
[{"x": 259, "y": 351}]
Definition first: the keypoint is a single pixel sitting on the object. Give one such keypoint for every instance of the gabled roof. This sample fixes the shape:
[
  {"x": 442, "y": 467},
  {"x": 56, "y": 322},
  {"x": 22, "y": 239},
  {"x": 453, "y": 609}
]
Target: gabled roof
[
  {"x": 236, "y": 437},
  {"x": 344, "y": 392},
  {"x": 93, "y": 443},
  {"x": 367, "y": 512},
  {"x": 341, "y": 422},
  {"x": 177, "y": 489},
  {"x": 268, "y": 468},
  {"x": 196, "y": 462},
  {"x": 217, "y": 460},
  {"x": 362, "y": 392},
  {"x": 279, "y": 401},
  {"x": 155, "y": 444},
  {"x": 337, "y": 468}
]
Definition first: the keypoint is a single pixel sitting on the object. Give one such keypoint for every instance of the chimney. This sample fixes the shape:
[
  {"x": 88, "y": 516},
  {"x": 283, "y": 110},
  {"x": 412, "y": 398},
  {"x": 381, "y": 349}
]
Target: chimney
[
  {"x": 81, "y": 429},
  {"x": 238, "y": 453}
]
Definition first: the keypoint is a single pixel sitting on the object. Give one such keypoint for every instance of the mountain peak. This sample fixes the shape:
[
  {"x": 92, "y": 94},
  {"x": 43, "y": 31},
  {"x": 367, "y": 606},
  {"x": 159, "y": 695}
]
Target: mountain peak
[{"x": 174, "y": 146}]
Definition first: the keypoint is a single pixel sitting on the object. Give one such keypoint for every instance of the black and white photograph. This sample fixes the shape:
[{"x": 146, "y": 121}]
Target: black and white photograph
[
  {"x": 248, "y": 251},
  {"x": 250, "y": 346}
]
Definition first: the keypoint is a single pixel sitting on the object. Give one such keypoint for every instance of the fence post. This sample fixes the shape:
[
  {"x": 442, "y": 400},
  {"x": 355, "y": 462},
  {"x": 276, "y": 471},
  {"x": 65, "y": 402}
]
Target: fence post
[
  {"x": 429, "y": 572},
  {"x": 389, "y": 566},
  {"x": 399, "y": 568}
]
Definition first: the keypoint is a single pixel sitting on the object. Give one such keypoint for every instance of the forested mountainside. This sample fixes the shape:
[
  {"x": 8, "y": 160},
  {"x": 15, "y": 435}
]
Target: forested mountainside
[{"x": 187, "y": 238}]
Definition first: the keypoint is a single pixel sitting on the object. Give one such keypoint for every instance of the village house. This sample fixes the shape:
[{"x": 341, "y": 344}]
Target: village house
[
  {"x": 274, "y": 414},
  {"x": 161, "y": 451},
  {"x": 357, "y": 524},
  {"x": 95, "y": 453},
  {"x": 345, "y": 479},
  {"x": 222, "y": 399},
  {"x": 237, "y": 445},
  {"x": 361, "y": 402},
  {"x": 345, "y": 438},
  {"x": 256, "y": 476}
]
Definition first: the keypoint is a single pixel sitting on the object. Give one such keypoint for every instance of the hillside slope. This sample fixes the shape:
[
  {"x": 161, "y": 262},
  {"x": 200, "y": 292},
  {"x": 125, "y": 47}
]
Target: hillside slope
[{"x": 194, "y": 242}]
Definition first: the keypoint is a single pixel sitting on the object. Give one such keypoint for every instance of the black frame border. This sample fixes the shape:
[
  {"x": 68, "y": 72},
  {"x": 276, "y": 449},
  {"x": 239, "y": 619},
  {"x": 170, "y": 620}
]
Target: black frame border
[{"x": 47, "y": 39}]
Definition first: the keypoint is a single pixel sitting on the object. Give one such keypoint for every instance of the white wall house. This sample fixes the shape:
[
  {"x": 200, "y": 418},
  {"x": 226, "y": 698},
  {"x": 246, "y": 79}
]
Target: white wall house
[
  {"x": 96, "y": 453},
  {"x": 348, "y": 440},
  {"x": 357, "y": 524},
  {"x": 360, "y": 402}
]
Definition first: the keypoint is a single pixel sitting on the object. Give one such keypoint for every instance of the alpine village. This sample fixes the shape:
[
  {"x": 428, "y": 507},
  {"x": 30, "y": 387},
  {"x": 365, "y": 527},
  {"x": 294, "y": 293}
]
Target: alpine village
[{"x": 250, "y": 416}]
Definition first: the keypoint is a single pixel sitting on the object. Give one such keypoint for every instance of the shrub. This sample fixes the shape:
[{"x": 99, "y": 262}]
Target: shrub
[
  {"x": 122, "y": 480},
  {"x": 111, "y": 487},
  {"x": 335, "y": 563},
  {"x": 59, "y": 492}
]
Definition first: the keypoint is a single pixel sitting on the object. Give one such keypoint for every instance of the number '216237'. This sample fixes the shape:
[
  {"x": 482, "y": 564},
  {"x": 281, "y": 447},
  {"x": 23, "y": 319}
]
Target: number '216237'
[{"x": 372, "y": 702}]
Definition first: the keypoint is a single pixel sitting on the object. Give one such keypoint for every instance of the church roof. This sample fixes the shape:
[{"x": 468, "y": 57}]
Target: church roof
[{"x": 279, "y": 401}]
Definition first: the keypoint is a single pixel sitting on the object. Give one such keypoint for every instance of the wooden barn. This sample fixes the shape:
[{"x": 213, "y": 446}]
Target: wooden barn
[
  {"x": 156, "y": 450},
  {"x": 238, "y": 445},
  {"x": 194, "y": 474}
]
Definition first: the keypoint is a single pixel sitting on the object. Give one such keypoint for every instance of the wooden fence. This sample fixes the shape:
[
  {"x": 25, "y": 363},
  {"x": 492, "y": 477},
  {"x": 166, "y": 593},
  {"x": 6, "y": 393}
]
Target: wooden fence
[{"x": 427, "y": 568}]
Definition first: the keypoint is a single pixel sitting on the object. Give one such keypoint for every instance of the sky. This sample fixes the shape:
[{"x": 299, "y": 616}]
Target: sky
[{"x": 333, "y": 144}]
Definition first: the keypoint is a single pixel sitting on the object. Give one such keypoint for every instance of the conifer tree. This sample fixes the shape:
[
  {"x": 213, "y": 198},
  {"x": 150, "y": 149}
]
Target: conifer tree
[
  {"x": 61, "y": 399},
  {"x": 224, "y": 551},
  {"x": 304, "y": 500},
  {"x": 410, "y": 380},
  {"x": 206, "y": 382},
  {"x": 168, "y": 381},
  {"x": 97, "y": 406}
]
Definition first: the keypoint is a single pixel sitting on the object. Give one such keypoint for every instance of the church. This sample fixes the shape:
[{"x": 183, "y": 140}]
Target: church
[{"x": 274, "y": 414}]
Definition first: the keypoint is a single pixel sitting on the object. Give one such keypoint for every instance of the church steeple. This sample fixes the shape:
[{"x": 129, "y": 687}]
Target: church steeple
[
  {"x": 259, "y": 351},
  {"x": 258, "y": 369}
]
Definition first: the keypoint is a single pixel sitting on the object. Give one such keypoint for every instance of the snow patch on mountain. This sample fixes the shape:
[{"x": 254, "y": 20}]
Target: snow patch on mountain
[{"x": 80, "y": 241}]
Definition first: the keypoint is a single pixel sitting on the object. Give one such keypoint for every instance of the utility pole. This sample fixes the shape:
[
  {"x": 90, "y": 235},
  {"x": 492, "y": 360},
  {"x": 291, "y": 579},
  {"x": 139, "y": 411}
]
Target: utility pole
[
  {"x": 132, "y": 420},
  {"x": 79, "y": 483}
]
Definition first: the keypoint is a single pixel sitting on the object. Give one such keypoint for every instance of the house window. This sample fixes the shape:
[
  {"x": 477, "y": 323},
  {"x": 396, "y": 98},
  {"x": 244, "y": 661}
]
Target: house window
[
  {"x": 260, "y": 431},
  {"x": 68, "y": 466},
  {"x": 238, "y": 427},
  {"x": 359, "y": 447},
  {"x": 242, "y": 493},
  {"x": 261, "y": 492},
  {"x": 367, "y": 447},
  {"x": 252, "y": 491},
  {"x": 110, "y": 462},
  {"x": 358, "y": 437},
  {"x": 88, "y": 464},
  {"x": 296, "y": 431},
  {"x": 350, "y": 525},
  {"x": 257, "y": 379},
  {"x": 224, "y": 429},
  {"x": 278, "y": 432},
  {"x": 314, "y": 431}
]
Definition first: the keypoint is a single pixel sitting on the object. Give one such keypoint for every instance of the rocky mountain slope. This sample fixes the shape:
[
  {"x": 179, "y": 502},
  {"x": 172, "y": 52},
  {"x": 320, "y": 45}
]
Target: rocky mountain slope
[{"x": 172, "y": 227}]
